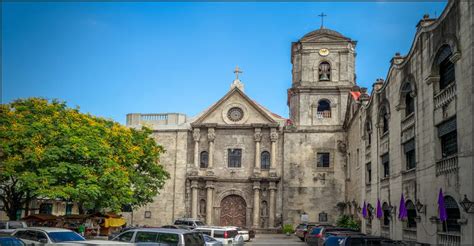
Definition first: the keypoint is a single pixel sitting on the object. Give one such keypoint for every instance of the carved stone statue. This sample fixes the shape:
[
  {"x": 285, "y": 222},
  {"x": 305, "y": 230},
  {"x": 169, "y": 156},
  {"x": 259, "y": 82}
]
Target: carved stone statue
[
  {"x": 341, "y": 146},
  {"x": 273, "y": 135},
  {"x": 196, "y": 134},
  {"x": 211, "y": 134},
  {"x": 258, "y": 135}
]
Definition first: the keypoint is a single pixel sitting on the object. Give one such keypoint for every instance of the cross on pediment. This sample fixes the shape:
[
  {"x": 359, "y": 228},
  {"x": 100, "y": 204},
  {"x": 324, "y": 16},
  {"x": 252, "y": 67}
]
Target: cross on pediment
[
  {"x": 237, "y": 71},
  {"x": 322, "y": 15}
]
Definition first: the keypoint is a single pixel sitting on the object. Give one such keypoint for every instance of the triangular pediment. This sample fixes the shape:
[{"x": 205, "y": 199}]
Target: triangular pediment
[
  {"x": 236, "y": 108},
  {"x": 322, "y": 38}
]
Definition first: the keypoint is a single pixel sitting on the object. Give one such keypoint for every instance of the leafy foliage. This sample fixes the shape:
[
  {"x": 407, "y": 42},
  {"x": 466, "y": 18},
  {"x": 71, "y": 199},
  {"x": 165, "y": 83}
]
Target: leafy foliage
[
  {"x": 288, "y": 228},
  {"x": 348, "y": 221},
  {"x": 52, "y": 151}
]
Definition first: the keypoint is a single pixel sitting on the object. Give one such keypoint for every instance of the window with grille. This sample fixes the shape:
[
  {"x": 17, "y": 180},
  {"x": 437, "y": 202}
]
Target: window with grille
[
  {"x": 324, "y": 109},
  {"x": 446, "y": 67},
  {"x": 410, "y": 158},
  {"x": 386, "y": 214},
  {"x": 323, "y": 160},
  {"x": 265, "y": 160},
  {"x": 411, "y": 214},
  {"x": 368, "y": 173},
  {"x": 448, "y": 136},
  {"x": 385, "y": 165},
  {"x": 234, "y": 157},
  {"x": 453, "y": 213}
]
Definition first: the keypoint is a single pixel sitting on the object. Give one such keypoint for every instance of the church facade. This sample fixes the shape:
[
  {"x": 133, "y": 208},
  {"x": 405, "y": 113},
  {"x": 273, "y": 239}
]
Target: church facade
[{"x": 239, "y": 164}]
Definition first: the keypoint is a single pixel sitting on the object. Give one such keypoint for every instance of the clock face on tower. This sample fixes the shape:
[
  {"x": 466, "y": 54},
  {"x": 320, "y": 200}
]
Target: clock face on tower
[
  {"x": 323, "y": 52},
  {"x": 235, "y": 114}
]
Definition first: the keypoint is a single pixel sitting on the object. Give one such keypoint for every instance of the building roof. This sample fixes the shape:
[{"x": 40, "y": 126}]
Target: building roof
[{"x": 325, "y": 32}]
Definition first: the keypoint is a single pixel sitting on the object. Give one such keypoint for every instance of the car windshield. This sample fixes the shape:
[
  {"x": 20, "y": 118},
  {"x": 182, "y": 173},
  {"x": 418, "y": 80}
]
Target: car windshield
[
  {"x": 199, "y": 223},
  {"x": 64, "y": 236},
  {"x": 316, "y": 230}
]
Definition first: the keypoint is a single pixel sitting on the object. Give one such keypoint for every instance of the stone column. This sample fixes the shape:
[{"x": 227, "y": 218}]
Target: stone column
[
  {"x": 209, "y": 202},
  {"x": 211, "y": 135},
  {"x": 256, "y": 204},
  {"x": 273, "y": 139},
  {"x": 196, "y": 137},
  {"x": 258, "y": 139},
  {"x": 194, "y": 198},
  {"x": 271, "y": 218}
]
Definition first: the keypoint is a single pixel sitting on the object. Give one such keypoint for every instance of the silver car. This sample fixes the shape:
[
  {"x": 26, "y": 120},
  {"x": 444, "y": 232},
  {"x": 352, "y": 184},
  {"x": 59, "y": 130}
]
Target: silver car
[
  {"x": 161, "y": 236},
  {"x": 210, "y": 241}
]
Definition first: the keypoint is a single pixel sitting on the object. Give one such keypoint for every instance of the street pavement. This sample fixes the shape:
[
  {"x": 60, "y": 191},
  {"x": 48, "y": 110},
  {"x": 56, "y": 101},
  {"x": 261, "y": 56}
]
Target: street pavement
[{"x": 275, "y": 239}]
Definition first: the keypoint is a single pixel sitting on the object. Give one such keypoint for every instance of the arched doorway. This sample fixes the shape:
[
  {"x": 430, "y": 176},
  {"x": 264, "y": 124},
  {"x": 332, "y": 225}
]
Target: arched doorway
[{"x": 233, "y": 211}]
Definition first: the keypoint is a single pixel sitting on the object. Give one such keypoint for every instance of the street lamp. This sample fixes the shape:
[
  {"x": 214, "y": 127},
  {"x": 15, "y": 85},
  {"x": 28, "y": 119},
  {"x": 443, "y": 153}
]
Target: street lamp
[{"x": 466, "y": 204}]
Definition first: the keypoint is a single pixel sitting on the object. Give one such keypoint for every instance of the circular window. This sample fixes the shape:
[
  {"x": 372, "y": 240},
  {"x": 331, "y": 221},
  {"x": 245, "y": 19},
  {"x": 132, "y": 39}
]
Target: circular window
[{"x": 235, "y": 114}]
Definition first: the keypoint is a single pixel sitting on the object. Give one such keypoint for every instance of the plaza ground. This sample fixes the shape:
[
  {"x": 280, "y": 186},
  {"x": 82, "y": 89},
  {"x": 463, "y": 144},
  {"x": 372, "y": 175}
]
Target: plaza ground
[{"x": 275, "y": 239}]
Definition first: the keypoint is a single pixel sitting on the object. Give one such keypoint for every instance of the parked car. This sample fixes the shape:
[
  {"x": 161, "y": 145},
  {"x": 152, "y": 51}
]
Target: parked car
[
  {"x": 161, "y": 236},
  {"x": 190, "y": 223},
  {"x": 10, "y": 226},
  {"x": 10, "y": 241},
  {"x": 226, "y": 235},
  {"x": 175, "y": 227},
  {"x": 244, "y": 232},
  {"x": 303, "y": 228},
  {"x": 335, "y": 238},
  {"x": 360, "y": 240},
  {"x": 46, "y": 235},
  {"x": 210, "y": 241},
  {"x": 318, "y": 234}
]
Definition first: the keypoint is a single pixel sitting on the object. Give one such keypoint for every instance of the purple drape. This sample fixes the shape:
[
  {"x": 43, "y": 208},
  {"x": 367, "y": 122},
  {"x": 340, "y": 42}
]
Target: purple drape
[
  {"x": 402, "y": 212},
  {"x": 379, "y": 209},
  {"x": 364, "y": 210},
  {"x": 443, "y": 216}
]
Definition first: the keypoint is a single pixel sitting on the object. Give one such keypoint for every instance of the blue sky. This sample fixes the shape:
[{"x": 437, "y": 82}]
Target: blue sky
[{"x": 115, "y": 58}]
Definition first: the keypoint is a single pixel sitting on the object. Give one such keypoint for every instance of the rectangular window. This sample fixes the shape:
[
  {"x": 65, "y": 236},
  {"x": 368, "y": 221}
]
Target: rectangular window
[
  {"x": 386, "y": 165},
  {"x": 234, "y": 157},
  {"x": 323, "y": 160},
  {"x": 368, "y": 173},
  {"x": 69, "y": 209},
  {"x": 448, "y": 135},
  {"x": 409, "y": 149}
]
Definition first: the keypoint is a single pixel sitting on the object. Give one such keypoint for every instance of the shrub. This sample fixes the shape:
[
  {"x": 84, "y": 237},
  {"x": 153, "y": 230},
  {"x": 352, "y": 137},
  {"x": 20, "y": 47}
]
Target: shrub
[
  {"x": 348, "y": 221},
  {"x": 288, "y": 228}
]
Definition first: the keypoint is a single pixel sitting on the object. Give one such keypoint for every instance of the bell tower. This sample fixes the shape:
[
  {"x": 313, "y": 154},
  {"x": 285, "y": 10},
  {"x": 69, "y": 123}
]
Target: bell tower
[{"x": 323, "y": 73}]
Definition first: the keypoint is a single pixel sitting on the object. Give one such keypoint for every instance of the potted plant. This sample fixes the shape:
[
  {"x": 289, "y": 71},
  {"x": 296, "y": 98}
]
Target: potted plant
[{"x": 288, "y": 229}]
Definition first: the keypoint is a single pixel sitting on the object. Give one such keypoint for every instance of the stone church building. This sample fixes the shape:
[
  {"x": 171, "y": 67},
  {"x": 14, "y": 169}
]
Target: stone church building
[{"x": 237, "y": 163}]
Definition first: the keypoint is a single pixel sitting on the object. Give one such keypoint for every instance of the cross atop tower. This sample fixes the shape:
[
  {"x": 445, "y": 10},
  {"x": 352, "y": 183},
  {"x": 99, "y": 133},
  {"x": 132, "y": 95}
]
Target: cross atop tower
[
  {"x": 322, "y": 15},
  {"x": 237, "y": 71}
]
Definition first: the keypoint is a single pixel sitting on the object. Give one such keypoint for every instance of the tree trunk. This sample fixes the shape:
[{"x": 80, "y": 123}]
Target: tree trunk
[{"x": 12, "y": 210}]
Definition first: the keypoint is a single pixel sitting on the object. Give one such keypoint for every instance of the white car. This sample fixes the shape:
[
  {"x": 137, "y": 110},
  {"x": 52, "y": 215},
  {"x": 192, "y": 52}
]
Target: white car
[
  {"x": 53, "y": 236},
  {"x": 226, "y": 235},
  {"x": 244, "y": 233}
]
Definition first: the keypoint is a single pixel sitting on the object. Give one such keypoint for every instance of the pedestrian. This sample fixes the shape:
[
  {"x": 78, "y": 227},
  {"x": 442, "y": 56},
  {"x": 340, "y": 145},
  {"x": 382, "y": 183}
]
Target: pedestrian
[{"x": 81, "y": 229}]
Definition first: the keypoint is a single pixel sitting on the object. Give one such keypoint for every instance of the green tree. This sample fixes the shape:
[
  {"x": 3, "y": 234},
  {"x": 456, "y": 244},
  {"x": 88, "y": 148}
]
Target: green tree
[{"x": 48, "y": 150}]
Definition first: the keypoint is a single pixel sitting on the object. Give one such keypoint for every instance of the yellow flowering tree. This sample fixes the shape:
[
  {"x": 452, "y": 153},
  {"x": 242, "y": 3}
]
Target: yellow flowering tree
[{"x": 48, "y": 150}]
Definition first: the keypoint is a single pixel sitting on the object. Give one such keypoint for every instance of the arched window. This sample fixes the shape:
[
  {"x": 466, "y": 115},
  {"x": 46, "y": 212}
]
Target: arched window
[
  {"x": 453, "y": 213},
  {"x": 204, "y": 159},
  {"x": 386, "y": 214},
  {"x": 324, "y": 109},
  {"x": 445, "y": 67},
  {"x": 265, "y": 160},
  {"x": 324, "y": 71},
  {"x": 411, "y": 214},
  {"x": 407, "y": 93}
]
